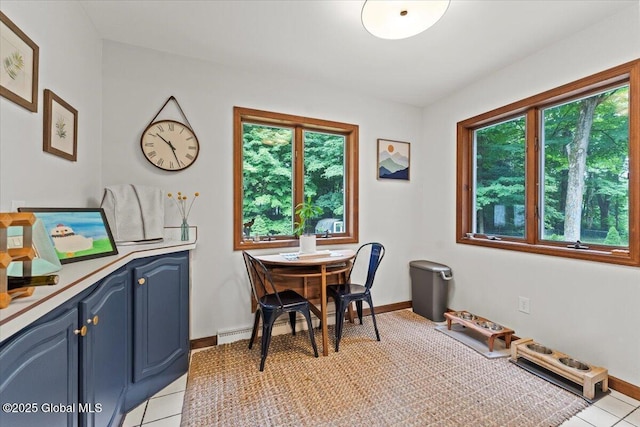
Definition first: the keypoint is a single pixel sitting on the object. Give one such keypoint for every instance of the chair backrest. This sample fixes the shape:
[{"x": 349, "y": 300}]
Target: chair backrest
[
  {"x": 259, "y": 278},
  {"x": 369, "y": 252}
]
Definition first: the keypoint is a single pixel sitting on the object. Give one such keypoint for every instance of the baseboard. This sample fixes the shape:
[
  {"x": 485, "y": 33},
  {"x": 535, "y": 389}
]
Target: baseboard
[
  {"x": 389, "y": 307},
  {"x": 624, "y": 387},
  {"x": 281, "y": 326},
  {"x": 203, "y": 342}
]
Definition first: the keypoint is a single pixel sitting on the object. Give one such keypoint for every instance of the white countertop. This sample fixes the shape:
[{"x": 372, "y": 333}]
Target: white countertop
[{"x": 78, "y": 276}]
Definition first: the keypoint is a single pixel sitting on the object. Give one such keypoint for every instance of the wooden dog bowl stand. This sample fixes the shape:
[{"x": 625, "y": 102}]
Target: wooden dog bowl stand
[
  {"x": 491, "y": 334},
  {"x": 587, "y": 378}
]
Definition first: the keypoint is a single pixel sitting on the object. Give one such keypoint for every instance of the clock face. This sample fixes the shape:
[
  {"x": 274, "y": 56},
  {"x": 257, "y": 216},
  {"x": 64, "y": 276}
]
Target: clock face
[{"x": 169, "y": 145}]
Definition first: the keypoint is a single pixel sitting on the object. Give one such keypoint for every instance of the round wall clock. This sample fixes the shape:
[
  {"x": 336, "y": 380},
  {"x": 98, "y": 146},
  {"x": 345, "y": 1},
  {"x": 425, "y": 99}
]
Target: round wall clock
[{"x": 169, "y": 145}]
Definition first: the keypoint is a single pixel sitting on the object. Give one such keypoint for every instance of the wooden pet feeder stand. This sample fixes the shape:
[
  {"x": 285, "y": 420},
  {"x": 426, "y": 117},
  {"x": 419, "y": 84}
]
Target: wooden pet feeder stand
[
  {"x": 559, "y": 363},
  {"x": 486, "y": 327},
  {"x": 26, "y": 254}
]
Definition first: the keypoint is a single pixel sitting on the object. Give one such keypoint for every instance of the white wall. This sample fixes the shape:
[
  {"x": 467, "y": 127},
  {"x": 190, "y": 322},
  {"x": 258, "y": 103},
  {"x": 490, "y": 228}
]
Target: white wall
[
  {"x": 70, "y": 66},
  {"x": 136, "y": 83},
  {"x": 589, "y": 310},
  {"x": 586, "y": 309}
]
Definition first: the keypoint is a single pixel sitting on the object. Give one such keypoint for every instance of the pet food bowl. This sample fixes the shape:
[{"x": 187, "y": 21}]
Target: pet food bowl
[
  {"x": 490, "y": 325},
  {"x": 573, "y": 363},
  {"x": 466, "y": 315},
  {"x": 539, "y": 348}
]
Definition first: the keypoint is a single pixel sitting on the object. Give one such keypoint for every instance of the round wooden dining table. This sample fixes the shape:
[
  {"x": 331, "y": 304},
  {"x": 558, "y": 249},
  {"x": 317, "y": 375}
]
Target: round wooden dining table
[{"x": 321, "y": 264}]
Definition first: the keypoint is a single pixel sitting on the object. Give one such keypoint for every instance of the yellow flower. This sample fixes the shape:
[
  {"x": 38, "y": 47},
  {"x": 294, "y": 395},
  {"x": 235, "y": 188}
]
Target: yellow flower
[{"x": 181, "y": 203}]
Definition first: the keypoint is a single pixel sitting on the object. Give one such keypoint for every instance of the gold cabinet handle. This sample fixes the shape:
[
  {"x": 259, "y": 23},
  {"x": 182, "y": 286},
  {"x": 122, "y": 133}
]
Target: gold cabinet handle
[
  {"x": 141, "y": 281},
  {"x": 82, "y": 331},
  {"x": 94, "y": 320}
]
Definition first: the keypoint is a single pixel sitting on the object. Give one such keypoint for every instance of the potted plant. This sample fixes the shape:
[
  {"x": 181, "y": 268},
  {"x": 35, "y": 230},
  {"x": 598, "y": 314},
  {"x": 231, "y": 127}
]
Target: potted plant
[{"x": 306, "y": 211}]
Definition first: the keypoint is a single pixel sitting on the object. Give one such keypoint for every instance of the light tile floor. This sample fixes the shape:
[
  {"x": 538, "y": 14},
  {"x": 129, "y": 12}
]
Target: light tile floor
[
  {"x": 165, "y": 408},
  {"x": 162, "y": 410}
]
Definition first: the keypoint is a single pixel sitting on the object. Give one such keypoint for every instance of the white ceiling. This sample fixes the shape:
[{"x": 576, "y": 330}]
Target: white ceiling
[{"x": 324, "y": 40}]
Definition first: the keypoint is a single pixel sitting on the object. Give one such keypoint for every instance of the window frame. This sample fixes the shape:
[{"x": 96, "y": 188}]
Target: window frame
[
  {"x": 299, "y": 124},
  {"x": 531, "y": 107}
]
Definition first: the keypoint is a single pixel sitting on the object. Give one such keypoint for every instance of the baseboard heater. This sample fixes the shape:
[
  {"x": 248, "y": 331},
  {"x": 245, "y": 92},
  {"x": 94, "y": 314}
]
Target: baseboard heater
[{"x": 281, "y": 326}]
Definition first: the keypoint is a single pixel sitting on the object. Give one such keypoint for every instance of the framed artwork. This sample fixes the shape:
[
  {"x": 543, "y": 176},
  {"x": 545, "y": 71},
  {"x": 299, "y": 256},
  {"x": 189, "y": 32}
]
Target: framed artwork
[
  {"x": 60, "y": 127},
  {"x": 19, "y": 65},
  {"x": 77, "y": 234},
  {"x": 393, "y": 159}
]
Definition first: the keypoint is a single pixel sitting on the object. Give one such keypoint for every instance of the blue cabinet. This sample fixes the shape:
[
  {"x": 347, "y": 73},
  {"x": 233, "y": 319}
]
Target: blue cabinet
[
  {"x": 103, "y": 352},
  {"x": 160, "y": 323},
  {"x": 39, "y": 374}
]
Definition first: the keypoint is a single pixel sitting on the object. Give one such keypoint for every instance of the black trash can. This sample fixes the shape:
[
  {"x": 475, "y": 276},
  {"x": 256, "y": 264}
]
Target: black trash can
[{"x": 429, "y": 288}]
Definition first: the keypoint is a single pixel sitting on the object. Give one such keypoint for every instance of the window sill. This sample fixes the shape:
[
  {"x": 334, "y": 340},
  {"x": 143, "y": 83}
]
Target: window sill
[
  {"x": 614, "y": 256},
  {"x": 290, "y": 243}
]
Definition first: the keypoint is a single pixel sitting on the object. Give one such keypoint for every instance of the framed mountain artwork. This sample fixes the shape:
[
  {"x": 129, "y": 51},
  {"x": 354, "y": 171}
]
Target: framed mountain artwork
[{"x": 393, "y": 159}]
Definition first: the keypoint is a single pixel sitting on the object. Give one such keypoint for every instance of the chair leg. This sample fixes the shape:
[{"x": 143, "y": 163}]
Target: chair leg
[
  {"x": 359, "y": 310},
  {"x": 292, "y": 319},
  {"x": 373, "y": 316},
  {"x": 254, "y": 333},
  {"x": 307, "y": 315},
  {"x": 320, "y": 324},
  {"x": 350, "y": 311},
  {"x": 339, "y": 321},
  {"x": 267, "y": 326}
]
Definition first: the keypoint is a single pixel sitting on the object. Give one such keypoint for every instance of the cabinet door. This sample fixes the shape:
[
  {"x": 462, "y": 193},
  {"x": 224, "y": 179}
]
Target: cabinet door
[
  {"x": 104, "y": 350},
  {"x": 161, "y": 314},
  {"x": 39, "y": 375}
]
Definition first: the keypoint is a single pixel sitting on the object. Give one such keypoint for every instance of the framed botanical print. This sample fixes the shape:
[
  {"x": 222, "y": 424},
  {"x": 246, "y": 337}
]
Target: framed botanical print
[
  {"x": 60, "y": 127},
  {"x": 393, "y": 159},
  {"x": 18, "y": 65}
]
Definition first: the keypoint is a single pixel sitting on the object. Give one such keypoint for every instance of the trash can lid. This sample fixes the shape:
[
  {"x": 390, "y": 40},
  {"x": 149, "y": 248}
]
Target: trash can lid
[{"x": 429, "y": 266}]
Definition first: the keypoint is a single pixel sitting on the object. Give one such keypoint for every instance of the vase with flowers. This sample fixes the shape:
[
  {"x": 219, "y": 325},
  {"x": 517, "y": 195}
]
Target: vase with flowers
[{"x": 184, "y": 207}]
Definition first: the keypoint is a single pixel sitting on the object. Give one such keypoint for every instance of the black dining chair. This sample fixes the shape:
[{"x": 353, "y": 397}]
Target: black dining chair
[
  {"x": 345, "y": 293},
  {"x": 271, "y": 304}
]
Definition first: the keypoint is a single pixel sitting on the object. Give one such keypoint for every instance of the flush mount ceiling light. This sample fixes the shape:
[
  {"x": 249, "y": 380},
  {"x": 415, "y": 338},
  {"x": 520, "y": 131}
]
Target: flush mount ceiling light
[{"x": 397, "y": 19}]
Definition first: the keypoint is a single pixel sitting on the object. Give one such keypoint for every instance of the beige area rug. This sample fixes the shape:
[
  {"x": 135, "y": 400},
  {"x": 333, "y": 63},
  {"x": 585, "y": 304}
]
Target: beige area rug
[{"x": 415, "y": 376}]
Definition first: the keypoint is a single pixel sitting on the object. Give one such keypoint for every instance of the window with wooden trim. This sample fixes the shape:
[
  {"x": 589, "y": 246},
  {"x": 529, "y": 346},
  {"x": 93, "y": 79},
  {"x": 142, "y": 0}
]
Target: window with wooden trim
[
  {"x": 281, "y": 160},
  {"x": 557, "y": 173}
]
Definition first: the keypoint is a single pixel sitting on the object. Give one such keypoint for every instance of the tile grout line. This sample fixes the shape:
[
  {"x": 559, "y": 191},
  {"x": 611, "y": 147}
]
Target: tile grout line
[
  {"x": 619, "y": 419},
  {"x": 163, "y": 418},
  {"x": 634, "y": 408},
  {"x": 168, "y": 394}
]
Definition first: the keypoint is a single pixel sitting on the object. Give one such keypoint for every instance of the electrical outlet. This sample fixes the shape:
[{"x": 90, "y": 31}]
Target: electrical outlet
[
  {"x": 15, "y": 204},
  {"x": 524, "y": 305}
]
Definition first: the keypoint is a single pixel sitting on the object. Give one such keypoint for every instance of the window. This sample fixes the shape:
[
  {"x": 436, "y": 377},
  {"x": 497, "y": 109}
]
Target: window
[
  {"x": 556, "y": 173},
  {"x": 279, "y": 161},
  {"x": 500, "y": 166}
]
